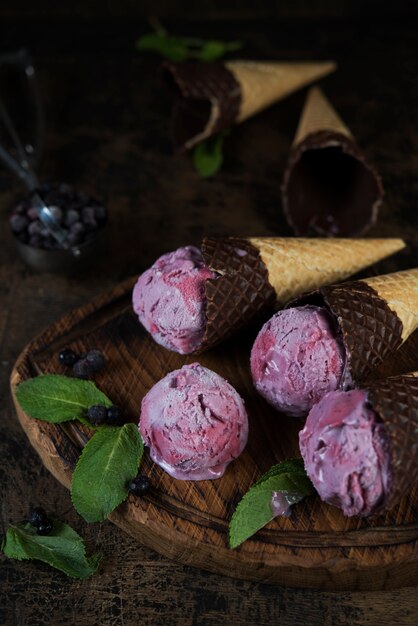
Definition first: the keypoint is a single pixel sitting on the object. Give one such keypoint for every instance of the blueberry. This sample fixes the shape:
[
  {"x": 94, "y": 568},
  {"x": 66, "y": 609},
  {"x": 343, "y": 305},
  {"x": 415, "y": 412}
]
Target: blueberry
[
  {"x": 82, "y": 369},
  {"x": 71, "y": 217},
  {"x": 35, "y": 228},
  {"x": 74, "y": 239},
  {"x": 97, "y": 414},
  {"x": 45, "y": 528},
  {"x": 87, "y": 214},
  {"x": 96, "y": 360},
  {"x": 37, "y": 516},
  {"x": 139, "y": 485},
  {"x": 18, "y": 223},
  {"x": 77, "y": 228},
  {"x": 56, "y": 212},
  {"x": 68, "y": 357},
  {"x": 90, "y": 224},
  {"x": 32, "y": 213},
  {"x": 114, "y": 416}
]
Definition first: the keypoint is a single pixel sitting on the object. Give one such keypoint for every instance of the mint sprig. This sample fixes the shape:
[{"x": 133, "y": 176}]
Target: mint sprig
[
  {"x": 208, "y": 155},
  {"x": 104, "y": 469},
  {"x": 63, "y": 549},
  {"x": 54, "y": 398},
  {"x": 255, "y": 509},
  {"x": 182, "y": 48}
]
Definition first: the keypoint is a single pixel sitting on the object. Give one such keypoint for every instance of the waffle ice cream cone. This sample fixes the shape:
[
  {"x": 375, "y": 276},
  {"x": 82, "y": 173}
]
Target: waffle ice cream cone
[
  {"x": 329, "y": 188},
  {"x": 395, "y": 400},
  {"x": 256, "y": 273},
  {"x": 213, "y": 96},
  {"x": 318, "y": 115},
  {"x": 262, "y": 84},
  {"x": 375, "y": 315}
]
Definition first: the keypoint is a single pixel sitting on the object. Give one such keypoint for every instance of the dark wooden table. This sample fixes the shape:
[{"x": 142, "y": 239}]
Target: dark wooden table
[{"x": 107, "y": 134}]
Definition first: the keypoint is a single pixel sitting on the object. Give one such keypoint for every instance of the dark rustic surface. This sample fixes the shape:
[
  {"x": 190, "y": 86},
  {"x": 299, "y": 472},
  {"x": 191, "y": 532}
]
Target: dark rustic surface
[{"x": 107, "y": 134}]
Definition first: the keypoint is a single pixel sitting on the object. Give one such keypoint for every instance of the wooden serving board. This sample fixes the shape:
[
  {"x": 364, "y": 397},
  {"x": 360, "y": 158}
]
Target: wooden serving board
[{"x": 188, "y": 521}]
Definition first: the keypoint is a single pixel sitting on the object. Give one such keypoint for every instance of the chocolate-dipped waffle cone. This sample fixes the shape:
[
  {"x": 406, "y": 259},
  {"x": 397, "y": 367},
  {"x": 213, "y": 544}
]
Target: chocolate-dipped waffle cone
[
  {"x": 213, "y": 96},
  {"x": 329, "y": 188},
  {"x": 395, "y": 400},
  {"x": 257, "y": 272},
  {"x": 375, "y": 316}
]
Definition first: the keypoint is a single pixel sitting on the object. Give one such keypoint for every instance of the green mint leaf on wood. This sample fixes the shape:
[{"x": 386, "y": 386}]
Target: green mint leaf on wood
[
  {"x": 104, "y": 469},
  {"x": 63, "y": 549},
  {"x": 54, "y": 398},
  {"x": 255, "y": 509},
  {"x": 208, "y": 155}
]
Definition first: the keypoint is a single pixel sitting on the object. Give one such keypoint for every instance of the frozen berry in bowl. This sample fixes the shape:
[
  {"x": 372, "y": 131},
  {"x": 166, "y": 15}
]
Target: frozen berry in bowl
[{"x": 81, "y": 217}]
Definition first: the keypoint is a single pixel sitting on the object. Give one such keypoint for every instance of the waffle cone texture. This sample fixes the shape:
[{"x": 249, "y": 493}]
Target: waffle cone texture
[
  {"x": 232, "y": 91},
  {"x": 256, "y": 274},
  {"x": 395, "y": 400},
  {"x": 375, "y": 316}
]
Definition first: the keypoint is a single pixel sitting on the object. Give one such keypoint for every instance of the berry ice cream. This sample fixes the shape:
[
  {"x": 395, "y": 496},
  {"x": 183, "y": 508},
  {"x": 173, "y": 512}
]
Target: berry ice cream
[
  {"x": 169, "y": 299},
  {"x": 296, "y": 358},
  {"x": 346, "y": 452},
  {"x": 194, "y": 423}
]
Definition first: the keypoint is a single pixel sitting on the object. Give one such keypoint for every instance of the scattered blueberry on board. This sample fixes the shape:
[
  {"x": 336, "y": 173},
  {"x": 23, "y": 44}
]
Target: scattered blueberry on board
[
  {"x": 139, "y": 485},
  {"x": 99, "y": 415},
  {"x": 75, "y": 211},
  {"x": 84, "y": 365},
  {"x": 39, "y": 519}
]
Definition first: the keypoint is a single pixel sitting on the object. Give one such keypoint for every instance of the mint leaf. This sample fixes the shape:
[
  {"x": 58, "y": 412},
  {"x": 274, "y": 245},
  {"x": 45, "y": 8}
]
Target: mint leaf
[
  {"x": 208, "y": 155},
  {"x": 63, "y": 549},
  {"x": 255, "y": 509},
  {"x": 168, "y": 47},
  {"x": 213, "y": 50},
  {"x": 183, "y": 48},
  {"x": 106, "y": 465},
  {"x": 54, "y": 398}
]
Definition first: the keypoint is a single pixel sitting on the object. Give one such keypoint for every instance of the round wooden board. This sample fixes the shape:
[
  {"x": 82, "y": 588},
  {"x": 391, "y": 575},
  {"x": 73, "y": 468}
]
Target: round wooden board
[{"x": 316, "y": 547}]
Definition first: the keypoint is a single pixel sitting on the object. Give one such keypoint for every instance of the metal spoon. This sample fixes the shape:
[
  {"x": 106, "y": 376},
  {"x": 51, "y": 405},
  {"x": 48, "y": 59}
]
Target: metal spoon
[{"x": 22, "y": 168}]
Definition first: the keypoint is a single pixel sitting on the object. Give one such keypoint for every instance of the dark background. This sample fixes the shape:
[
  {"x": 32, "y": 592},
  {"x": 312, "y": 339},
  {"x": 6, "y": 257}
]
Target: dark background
[{"x": 107, "y": 133}]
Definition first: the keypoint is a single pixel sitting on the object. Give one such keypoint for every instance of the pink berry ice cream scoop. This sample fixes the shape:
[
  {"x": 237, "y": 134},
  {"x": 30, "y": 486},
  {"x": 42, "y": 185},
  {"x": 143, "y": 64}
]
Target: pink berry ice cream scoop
[
  {"x": 194, "y": 423},
  {"x": 169, "y": 299},
  {"x": 296, "y": 358},
  {"x": 346, "y": 452}
]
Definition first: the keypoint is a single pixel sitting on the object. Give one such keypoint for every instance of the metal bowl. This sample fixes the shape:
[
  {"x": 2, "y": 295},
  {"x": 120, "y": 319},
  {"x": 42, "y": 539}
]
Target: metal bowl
[{"x": 64, "y": 261}]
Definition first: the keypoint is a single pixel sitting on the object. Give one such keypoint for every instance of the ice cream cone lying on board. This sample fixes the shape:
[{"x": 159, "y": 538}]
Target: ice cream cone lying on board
[
  {"x": 192, "y": 299},
  {"x": 214, "y": 96},
  {"x": 329, "y": 187},
  {"x": 332, "y": 338},
  {"x": 360, "y": 447}
]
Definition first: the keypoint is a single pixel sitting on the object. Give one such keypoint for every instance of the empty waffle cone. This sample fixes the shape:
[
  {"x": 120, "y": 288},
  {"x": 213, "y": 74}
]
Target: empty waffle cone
[
  {"x": 375, "y": 316},
  {"x": 213, "y": 96},
  {"x": 256, "y": 273},
  {"x": 329, "y": 188},
  {"x": 262, "y": 84},
  {"x": 395, "y": 400}
]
